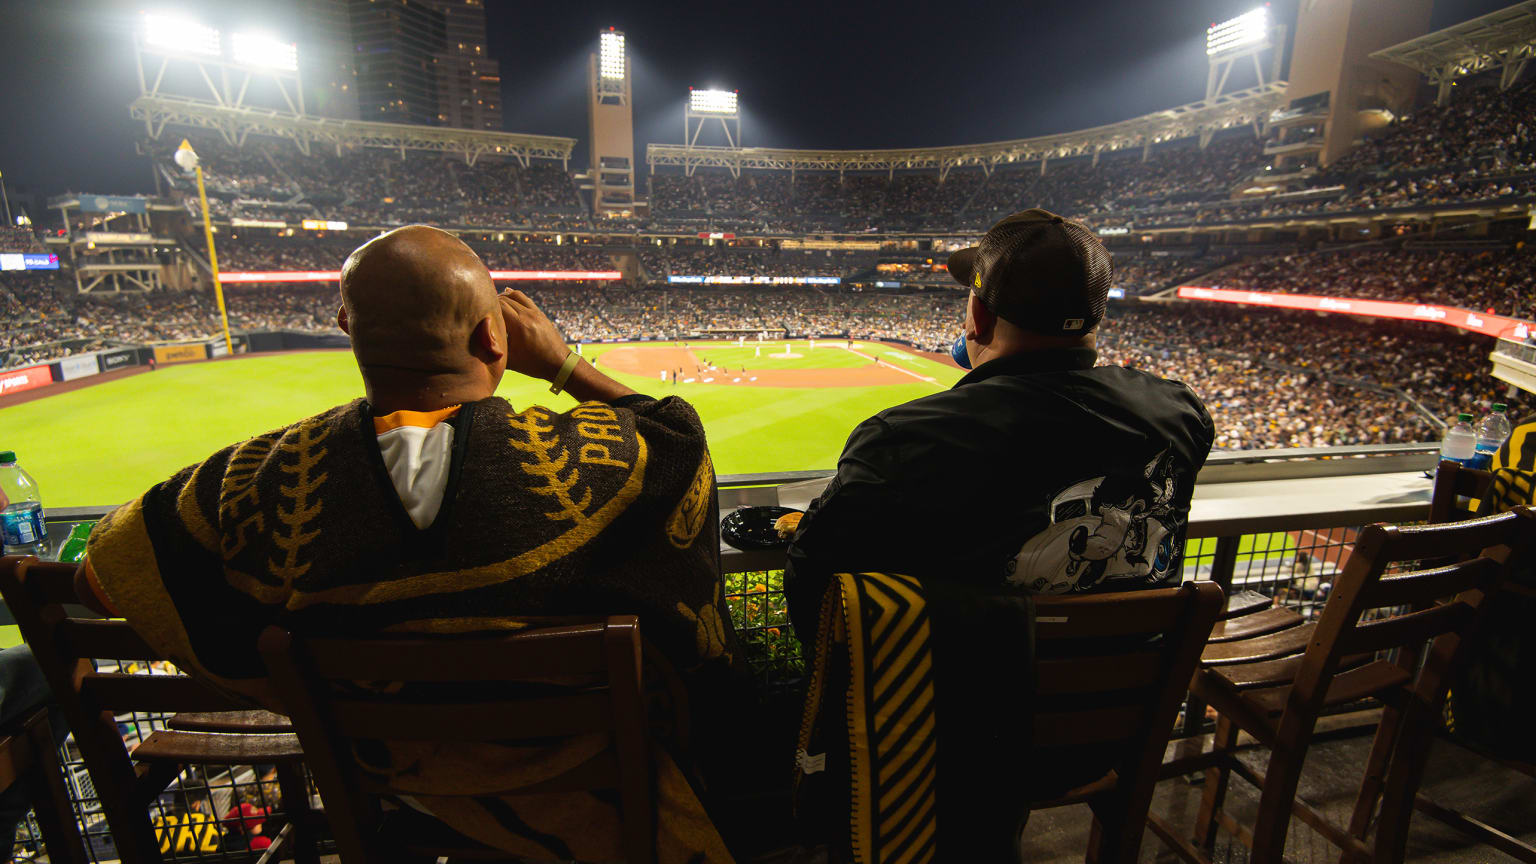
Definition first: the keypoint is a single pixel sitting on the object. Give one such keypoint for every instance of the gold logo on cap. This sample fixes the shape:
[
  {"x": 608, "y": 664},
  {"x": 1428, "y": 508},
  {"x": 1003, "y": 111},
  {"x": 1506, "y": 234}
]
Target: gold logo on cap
[{"x": 975, "y": 280}]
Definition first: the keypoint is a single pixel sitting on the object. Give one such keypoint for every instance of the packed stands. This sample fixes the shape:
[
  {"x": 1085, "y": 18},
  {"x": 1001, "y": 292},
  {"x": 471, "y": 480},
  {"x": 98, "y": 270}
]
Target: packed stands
[
  {"x": 16, "y": 238},
  {"x": 1271, "y": 378},
  {"x": 1479, "y": 148},
  {"x": 274, "y": 180},
  {"x": 1499, "y": 280}
]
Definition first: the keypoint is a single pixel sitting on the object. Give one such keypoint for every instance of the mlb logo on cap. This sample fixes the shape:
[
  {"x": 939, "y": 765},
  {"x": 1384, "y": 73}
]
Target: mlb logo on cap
[{"x": 1072, "y": 324}]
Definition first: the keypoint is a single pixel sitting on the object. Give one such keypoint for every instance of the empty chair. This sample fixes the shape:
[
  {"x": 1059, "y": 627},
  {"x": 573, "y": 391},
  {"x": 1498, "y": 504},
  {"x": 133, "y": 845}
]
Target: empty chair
[
  {"x": 1389, "y": 637},
  {"x": 41, "y": 596}
]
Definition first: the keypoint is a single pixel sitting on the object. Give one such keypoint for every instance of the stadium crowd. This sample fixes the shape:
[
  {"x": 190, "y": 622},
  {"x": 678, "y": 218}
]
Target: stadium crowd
[
  {"x": 1482, "y": 146},
  {"x": 274, "y": 180},
  {"x": 1271, "y": 378},
  {"x": 1500, "y": 280}
]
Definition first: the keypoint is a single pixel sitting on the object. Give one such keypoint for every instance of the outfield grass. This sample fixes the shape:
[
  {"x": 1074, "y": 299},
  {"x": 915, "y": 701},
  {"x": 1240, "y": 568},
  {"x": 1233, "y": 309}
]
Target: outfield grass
[{"x": 106, "y": 443}]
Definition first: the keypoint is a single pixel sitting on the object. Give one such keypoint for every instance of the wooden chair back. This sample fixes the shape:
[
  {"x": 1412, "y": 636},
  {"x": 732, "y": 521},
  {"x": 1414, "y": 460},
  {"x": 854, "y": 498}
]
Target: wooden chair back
[
  {"x": 1416, "y": 622},
  {"x": 66, "y": 638},
  {"x": 313, "y": 676},
  {"x": 1120, "y": 699},
  {"x": 1453, "y": 483}
]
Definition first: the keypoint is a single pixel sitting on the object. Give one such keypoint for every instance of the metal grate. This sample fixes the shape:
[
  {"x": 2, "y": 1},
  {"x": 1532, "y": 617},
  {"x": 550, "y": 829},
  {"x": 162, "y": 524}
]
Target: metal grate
[{"x": 208, "y": 813}]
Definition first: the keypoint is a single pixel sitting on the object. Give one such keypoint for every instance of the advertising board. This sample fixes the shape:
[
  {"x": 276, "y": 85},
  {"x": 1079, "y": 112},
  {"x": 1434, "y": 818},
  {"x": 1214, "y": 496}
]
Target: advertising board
[
  {"x": 1464, "y": 319},
  {"x": 121, "y": 359},
  {"x": 28, "y": 261},
  {"x": 28, "y": 378},
  {"x": 237, "y": 277},
  {"x": 180, "y": 353},
  {"x": 113, "y": 204},
  {"x": 79, "y": 366}
]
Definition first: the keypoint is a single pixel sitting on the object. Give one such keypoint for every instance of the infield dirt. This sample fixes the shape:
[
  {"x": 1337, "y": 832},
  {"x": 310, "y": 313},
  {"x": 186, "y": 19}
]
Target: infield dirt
[{"x": 651, "y": 362}]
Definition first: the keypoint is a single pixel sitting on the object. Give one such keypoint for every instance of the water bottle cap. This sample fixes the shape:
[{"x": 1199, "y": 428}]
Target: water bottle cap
[
  {"x": 7, "y": 456},
  {"x": 1499, "y": 406},
  {"x": 1463, "y": 418}
]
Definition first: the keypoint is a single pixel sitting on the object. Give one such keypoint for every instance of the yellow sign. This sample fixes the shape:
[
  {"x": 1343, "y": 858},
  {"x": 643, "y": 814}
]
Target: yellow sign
[
  {"x": 180, "y": 353},
  {"x": 193, "y": 832}
]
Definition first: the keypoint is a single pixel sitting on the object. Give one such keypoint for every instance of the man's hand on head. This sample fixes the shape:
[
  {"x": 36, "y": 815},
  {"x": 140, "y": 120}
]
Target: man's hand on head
[{"x": 534, "y": 346}]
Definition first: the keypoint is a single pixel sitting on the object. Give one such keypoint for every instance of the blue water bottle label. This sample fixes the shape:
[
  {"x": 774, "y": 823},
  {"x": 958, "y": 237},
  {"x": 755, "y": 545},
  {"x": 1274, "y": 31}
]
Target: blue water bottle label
[{"x": 22, "y": 527}]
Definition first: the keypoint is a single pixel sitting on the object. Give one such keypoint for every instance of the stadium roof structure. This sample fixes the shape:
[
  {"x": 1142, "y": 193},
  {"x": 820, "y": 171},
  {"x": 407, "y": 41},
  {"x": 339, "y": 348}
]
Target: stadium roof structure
[
  {"x": 1203, "y": 119},
  {"x": 1504, "y": 40},
  {"x": 236, "y": 124}
]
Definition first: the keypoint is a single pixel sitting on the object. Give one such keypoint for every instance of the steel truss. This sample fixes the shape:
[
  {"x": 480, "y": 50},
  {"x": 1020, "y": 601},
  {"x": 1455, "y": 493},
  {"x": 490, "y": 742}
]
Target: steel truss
[
  {"x": 1503, "y": 40},
  {"x": 1240, "y": 108},
  {"x": 235, "y": 124}
]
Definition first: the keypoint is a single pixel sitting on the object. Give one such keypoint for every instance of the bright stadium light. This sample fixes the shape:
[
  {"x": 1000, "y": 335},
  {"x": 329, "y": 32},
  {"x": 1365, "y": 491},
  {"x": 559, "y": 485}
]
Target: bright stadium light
[
  {"x": 266, "y": 52},
  {"x": 712, "y": 102},
  {"x": 1250, "y": 28},
  {"x": 180, "y": 35},
  {"x": 610, "y": 54}
]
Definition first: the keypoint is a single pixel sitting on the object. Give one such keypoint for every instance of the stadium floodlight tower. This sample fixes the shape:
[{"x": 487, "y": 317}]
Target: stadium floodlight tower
[
  {"x": 190, "y": 61},
  {"x": 707, "y": 105},
  {"x": 1247, "y": 36},
  {"x": 612, "y": 121}
]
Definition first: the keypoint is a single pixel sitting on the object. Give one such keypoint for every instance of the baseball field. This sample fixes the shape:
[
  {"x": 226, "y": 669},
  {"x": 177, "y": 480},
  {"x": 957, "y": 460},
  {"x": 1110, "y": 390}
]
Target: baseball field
[{"x": 778, "y": 406}]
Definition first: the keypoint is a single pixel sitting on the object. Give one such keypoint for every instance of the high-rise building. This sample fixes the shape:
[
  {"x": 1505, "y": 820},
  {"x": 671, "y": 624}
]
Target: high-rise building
[
  {"x": 325, "y": 59},
  {"x": 468, "y": 80},
  {"x": 396, "y": 47}
]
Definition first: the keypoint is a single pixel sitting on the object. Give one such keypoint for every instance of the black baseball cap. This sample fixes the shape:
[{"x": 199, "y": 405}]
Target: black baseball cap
[{"x": 1040, "y": 272}]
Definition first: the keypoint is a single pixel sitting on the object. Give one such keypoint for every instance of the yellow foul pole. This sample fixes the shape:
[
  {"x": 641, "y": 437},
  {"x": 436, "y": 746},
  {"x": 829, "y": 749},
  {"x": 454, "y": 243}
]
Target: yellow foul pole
[{"x": 213, "y": 257}]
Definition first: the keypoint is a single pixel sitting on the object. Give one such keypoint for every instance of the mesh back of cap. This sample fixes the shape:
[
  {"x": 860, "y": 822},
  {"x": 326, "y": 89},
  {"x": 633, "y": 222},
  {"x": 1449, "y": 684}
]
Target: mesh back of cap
[{"x": 1044, "y": 273}]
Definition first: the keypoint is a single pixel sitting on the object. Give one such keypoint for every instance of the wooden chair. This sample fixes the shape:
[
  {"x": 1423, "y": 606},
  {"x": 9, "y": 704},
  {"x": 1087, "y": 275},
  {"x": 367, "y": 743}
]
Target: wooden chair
[
  {"x": 1123, "y": 703},
  {"x": 1274, "y": 686},
  {"x": 27, "y": 753},
  {"x": 1455, "y": 484},
  {"x": 306, "y": 673},
  {"x": 41, "y": 596}
]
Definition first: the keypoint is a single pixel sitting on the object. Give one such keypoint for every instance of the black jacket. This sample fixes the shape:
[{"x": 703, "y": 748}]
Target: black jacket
[{"x": 1038, "y": 470}]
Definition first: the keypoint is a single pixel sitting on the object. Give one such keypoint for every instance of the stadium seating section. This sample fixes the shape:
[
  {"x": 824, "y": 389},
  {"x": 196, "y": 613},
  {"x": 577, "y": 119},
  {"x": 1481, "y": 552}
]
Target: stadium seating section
[{"x": 1271, "y": 377}]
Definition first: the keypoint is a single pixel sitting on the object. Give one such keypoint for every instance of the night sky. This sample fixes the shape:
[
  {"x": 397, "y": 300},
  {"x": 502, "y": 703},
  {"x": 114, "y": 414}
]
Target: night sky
[{"x": 845, "y": 74}]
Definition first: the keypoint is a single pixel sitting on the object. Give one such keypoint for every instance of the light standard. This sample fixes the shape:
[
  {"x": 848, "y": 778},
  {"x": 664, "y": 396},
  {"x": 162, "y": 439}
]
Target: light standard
[{"x": 186, "y": 157}]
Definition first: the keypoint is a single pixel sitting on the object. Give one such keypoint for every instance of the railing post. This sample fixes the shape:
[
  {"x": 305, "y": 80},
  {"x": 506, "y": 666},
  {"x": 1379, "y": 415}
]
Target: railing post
[{"x": 1223, "y": 563}]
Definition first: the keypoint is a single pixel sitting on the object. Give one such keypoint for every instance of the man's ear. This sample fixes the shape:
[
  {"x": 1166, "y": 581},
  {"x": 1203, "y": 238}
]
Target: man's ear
[
  {"x": 982, "y": 321},
  {"x": 341, "y": 320},
  {"x": 487, "y": 342}
]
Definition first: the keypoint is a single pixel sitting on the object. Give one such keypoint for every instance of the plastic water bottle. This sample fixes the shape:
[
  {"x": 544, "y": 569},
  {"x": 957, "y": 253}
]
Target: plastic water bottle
[
  {"x": 21, "y": 510},
  {"x": 1492, "y": 432},
  {"x": 1460, "y": 443}
]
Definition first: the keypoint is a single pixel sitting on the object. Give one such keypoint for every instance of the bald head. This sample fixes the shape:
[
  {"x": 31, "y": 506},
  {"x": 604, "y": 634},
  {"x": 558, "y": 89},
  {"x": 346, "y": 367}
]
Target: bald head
[{"x": 413, "y": 298}]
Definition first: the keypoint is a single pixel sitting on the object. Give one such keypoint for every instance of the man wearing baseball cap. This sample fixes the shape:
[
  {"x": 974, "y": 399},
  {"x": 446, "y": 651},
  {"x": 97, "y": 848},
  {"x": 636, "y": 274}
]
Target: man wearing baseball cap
[{"x": 1038, "y": 470}]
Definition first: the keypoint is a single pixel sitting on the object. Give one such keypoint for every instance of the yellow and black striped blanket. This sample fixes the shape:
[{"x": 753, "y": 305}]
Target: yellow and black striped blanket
[
  {"x": 917, "y": 721},
  {"x": 603, "y": 509}
]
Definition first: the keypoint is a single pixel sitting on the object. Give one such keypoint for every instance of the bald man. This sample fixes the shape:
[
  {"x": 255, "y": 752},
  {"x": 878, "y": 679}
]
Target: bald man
[{"x": 432, "y": 506}]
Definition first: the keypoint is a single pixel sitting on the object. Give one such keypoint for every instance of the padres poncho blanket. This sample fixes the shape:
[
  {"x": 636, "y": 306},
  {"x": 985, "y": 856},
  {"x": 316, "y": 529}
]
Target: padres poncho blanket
[
  {"x": 915, "y": 741},
  {"x": 603, "y": 509}
]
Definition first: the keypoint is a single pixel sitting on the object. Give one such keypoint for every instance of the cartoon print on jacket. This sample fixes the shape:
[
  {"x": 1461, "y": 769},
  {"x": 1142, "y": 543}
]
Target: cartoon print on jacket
[{"x": 1111, "y": 527}]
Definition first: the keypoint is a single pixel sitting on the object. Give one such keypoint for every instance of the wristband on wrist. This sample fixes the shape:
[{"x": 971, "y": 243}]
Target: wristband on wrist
[{"x": 564, "y": 375}]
